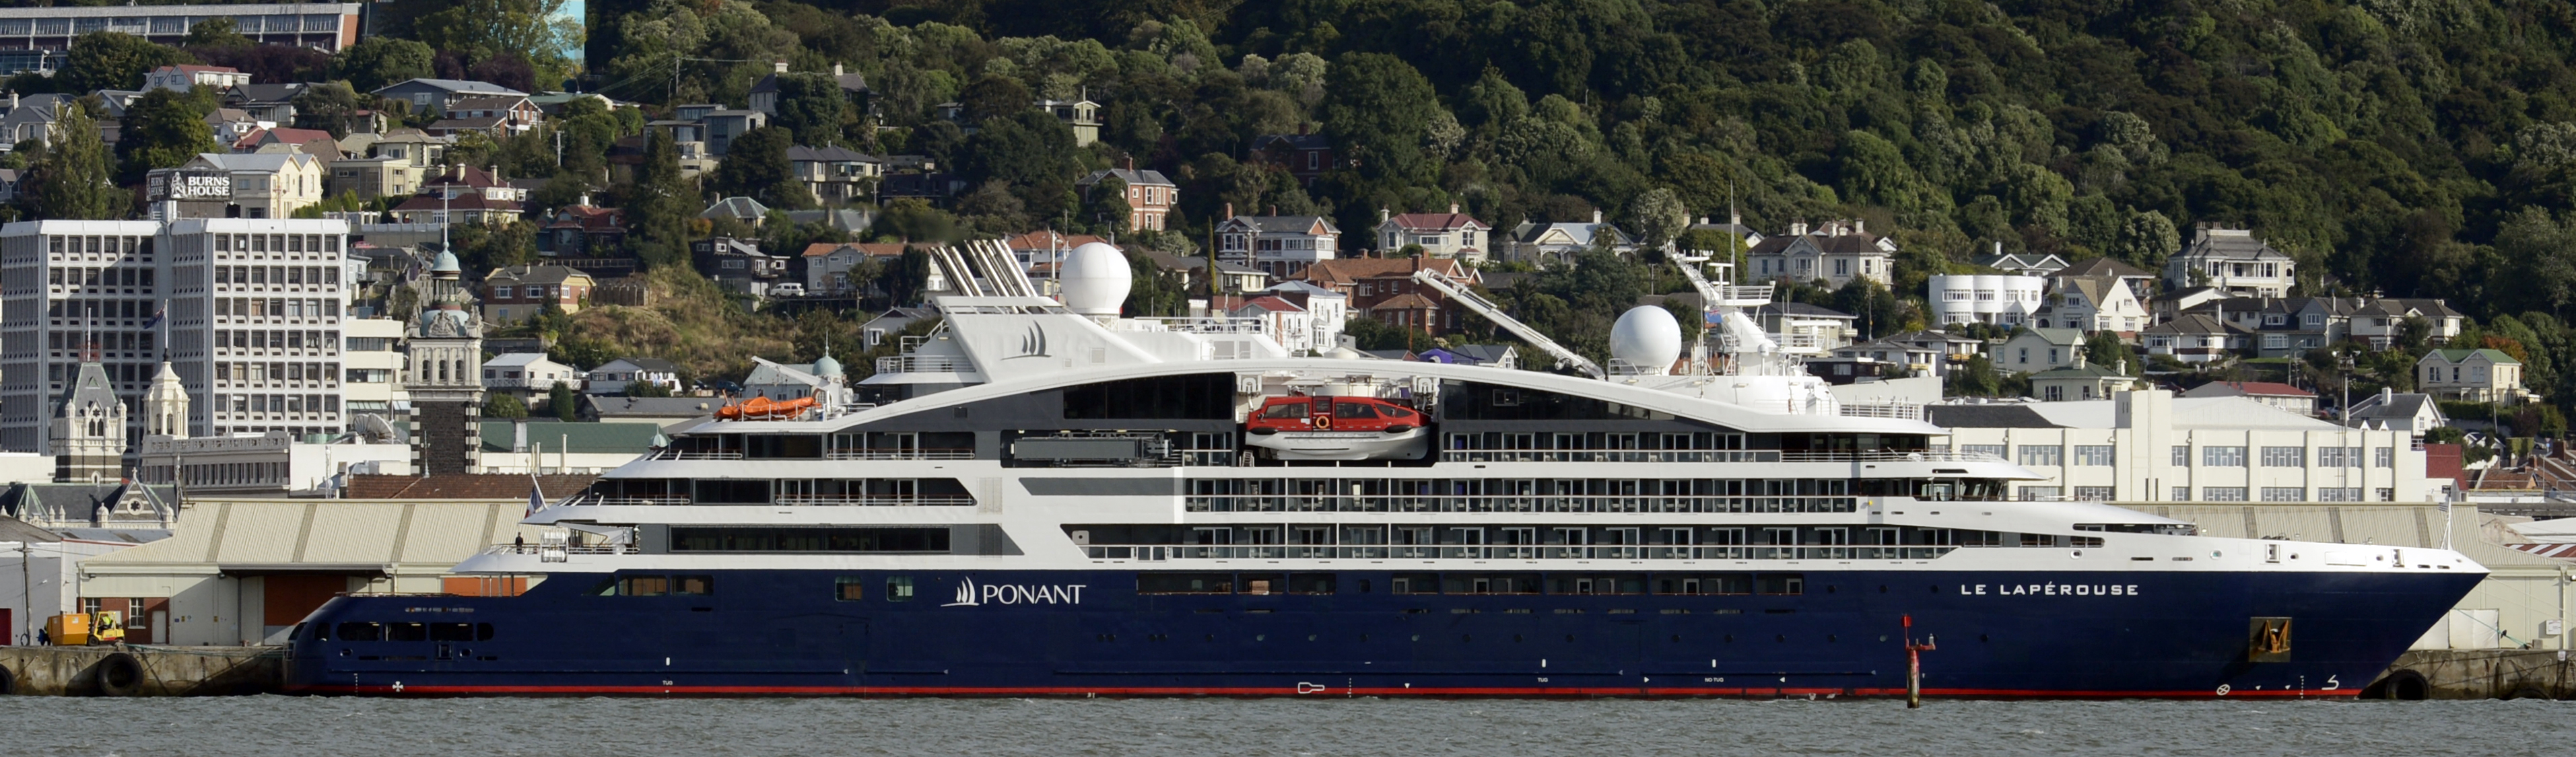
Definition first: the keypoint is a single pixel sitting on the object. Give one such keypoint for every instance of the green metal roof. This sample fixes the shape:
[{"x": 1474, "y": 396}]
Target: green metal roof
[
  {"x": 635, "y": 438},
  {"x": 2493, "y": 355}
]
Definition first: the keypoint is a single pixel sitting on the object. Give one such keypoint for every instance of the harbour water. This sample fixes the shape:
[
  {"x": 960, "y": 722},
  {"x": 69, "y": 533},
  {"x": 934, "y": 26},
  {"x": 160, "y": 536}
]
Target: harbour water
[{"x": 274, "y": 725}]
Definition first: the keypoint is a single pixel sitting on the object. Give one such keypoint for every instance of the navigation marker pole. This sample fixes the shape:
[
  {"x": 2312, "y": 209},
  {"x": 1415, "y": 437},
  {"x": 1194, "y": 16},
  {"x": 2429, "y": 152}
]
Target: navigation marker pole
[{"x": 1914, "y": 665}]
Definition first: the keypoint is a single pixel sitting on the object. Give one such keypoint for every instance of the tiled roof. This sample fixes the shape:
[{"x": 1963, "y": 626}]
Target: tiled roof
[
  {"x": 1347, "y": 271},
  {"x": 870, "y": 249},
  {"x": 1145, "y": 178},
  {"x": 487, "y": 486},
  {"x": 1434, "y": 221},
  {"x": 829, "y": 154},
  {"x": 2103, "y": 267},
  {"x": 2248, "y": 389}
]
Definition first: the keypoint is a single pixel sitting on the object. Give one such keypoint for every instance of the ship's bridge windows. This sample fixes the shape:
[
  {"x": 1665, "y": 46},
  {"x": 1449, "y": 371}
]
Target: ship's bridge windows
[
  {"x": 362, "y": 631},
  {"x": 1197, "y": 396}
]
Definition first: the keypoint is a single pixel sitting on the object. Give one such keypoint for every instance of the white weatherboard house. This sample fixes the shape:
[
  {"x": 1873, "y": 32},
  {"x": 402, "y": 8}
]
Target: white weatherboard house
[{"x": 2479, "y": 375}]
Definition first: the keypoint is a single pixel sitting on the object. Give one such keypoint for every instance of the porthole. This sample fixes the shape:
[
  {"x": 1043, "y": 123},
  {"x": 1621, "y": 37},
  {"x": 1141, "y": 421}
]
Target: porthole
[
  {"x": 1830, "y": 638},
  {"x": 1780, "y": 638},
  {"x": 1882, "y": 588},
  {"x": 1569, "y": 638},
  {"x": 1363, "y": 638},
  {"x": 1466, "y": 637},
  {"x": 1677, "y": 638},
  {"x": 1516, "y": 638},
  {"x": 1982, "y": 637},
  {"x": 1730, "y": 638}
]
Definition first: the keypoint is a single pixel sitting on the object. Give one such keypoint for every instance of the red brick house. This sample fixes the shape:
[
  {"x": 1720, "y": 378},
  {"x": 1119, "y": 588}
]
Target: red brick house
[{"x": 1384, "y": 289}]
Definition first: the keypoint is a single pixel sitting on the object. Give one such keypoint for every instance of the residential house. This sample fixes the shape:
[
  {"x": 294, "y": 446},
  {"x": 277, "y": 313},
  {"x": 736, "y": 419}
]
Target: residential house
[
  {"x": 615, "y": 376},
  {"x": 936, "y": 188},
  {"x": 2196, "y": 338},
  {"x": 2288, "y": 327},
  {"x": 576, "y": 231},
  {"x": 743, "y": 209},
  {"x": 9, "y": 178},
  {"x": 273, "y": 103},
  {"x": 315, "y": 142},
  {"x": 2083, "y": 380},
  {"x": 181, "y": 78},
  {"x": 1082, "y": 116},
  {"x": 30, "y": 117},
  {"x": 441, "y": 95},
  {"x": 2474, "y": 375},
  {"x": 515, "y": 113},
  {"x": 1993, "y": 299},
  {"x": 1039, "y": 251},
  {"x": 892, "y": 322},
  {"x": 1504, "y": 356},
  {"x": 2174, "y": 303},
  {"x": 1733, "y": 226},
  {"x": 2273, "y": 393},
  {"x": 371, "y": 178},
  {"x": 687, "y": 140},
  {"x": 1441, "y": 235},
  {"x": 264, "y": 185},
  {"x": 1915, "y": 358},
  {"x": 764, "y": 93},
  {"x": 738, "y": 264},
  {"x": 1835, "y": 253},
  {"x": 1804, "y": 329},
  {"x": 2233, "y": 261},
  {"x": 517, "y": 293},
  {"x": 527, "y": 374},
  {"x": 1150, "y": 196},
  {"x": 2022, "y": 263},
  {"x": 2094, "y": 303},
  {"x": 1951, "y": 349},
  {"x": 1192, "y": 271},
  {"x": 2141, "y": 283},
  {"x": 2382, "y": 322},
  {"x": 718, "y": 126},
  {"x": 1303, "y": 155},
  {"x": 2388, "y": 410},
  {"x": 412, "y": 146},
  {"x": 1281, "y": 319},
  {"x": 465, "y": 194},
  {"x": 2031, "y": 350},
  {"x": 1282, "y": 246},
  {"x": 827, "y": 264},
  {"x": 836, "y": 175},
  {"x": 230, "y": 125},
  {"x": 1327, "y": 310},
  {"x": 1384, "y": 289},
  {"x": 1559, "y": 242}
]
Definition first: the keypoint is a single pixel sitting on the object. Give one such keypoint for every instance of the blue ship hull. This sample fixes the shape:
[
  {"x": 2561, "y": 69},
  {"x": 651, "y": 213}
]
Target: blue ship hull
[{"x": 785, "y": 633}]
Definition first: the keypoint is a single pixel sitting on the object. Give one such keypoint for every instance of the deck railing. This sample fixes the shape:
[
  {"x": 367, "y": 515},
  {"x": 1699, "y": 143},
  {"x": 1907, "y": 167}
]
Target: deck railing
[
  {"x": 1515, "y": 503},
  {"x": 1509, "y": 552}
]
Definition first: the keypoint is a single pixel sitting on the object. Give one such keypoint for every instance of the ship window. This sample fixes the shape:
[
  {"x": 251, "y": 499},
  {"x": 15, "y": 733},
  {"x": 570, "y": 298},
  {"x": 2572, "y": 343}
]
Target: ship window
[
  {"x": 1184, "y": 583},
  {"x": 451, "y": 632},
  {"x": 694, "y": 585},
  {"x": 1263, "y": 583},
  {"x": 644, "y": 586},
  {"x": 1704, "y": 583},
  {"x": 801, "y": 539},
  {"x": 406, "y": 632},
  {"x": 1414, "y": 583},
  {"x": 791, "y": 446},
  {"x": 361, "y": 632},
  {"x": 1489, "y": 583},
  {"x": 1202, "y": 396},
  {"x": 1783, "y": 583},
  {"x": 1353, "y": 410},
  {"x": 899, "y": 589},
  {"x": 1609, "y": 584},
  {"x": 849, "y": 588},
  {"x": 1285, "y": 410}
]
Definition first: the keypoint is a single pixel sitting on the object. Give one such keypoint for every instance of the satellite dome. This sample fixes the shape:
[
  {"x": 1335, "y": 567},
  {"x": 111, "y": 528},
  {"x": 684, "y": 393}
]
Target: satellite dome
[
  {"x": 1647, "y": 339},
  {"x": 1095, "y": 278}
]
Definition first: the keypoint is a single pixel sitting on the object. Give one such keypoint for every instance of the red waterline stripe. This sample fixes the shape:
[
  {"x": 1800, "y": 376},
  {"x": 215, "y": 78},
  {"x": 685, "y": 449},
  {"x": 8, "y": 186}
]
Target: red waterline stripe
[{"x": 1268, "y": 691}]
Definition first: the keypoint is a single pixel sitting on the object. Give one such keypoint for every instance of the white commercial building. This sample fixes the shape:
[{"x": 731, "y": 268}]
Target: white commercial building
[
  {"x": 269, "y": 464},
  {"x": 1986, "y": 298},
  {"x": 2149, "y": 446},
  {"x": 250, "y": 310}
]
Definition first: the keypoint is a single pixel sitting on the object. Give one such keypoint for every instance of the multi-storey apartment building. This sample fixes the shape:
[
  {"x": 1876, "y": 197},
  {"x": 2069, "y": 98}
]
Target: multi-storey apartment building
[
  {"x": 247, "y": 311},
  {"x": 2150, "y": 446}
]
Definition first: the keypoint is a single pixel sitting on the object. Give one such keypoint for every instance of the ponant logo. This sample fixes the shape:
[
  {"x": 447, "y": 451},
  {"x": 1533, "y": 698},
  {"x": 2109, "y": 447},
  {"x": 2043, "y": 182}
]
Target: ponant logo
[{"x": 971, "y": 594}]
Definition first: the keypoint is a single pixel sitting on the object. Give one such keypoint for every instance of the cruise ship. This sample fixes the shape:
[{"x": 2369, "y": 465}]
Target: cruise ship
[{"x": 1043, "y": 498}]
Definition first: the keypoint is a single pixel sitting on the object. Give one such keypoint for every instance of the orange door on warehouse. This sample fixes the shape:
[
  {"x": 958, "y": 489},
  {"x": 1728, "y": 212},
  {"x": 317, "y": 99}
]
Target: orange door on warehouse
[{"x": 287, "y": 597}]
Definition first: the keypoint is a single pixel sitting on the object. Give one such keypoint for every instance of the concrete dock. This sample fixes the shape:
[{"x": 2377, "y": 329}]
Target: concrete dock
[
  {"x": 2477, "y": 674},
  {"x": 141, "y": 671}
]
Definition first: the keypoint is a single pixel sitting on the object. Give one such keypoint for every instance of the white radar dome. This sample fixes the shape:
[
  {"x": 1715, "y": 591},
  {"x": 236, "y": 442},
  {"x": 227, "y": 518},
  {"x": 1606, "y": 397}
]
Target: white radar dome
[
  {"x": 1095, "y": 279},
  {"x": 1647, "y": 339}
]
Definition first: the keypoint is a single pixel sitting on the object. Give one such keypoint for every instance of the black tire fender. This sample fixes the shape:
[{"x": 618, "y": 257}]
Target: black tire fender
[
  {"x": 1399, "y": 428},
  {"x": 8, "y": 681},
  {"x": 117, "y": 675}
]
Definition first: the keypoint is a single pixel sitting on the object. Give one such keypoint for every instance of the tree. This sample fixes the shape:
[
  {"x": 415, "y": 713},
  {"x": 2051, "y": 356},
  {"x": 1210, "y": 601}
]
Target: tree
[
  {"x": 162, "y": 129},
  {"x": 112, "y": 60},
  {"x": 1378, "y": 109},
  {"x": 1105, "y": 204},
  {"x": 72, "y": 180},
  {"x": 563, "y": 401},
  {"x": 483, "y": 30},
  {"x": 215, "y": 32},
  {"x": 994, "y": 97},
  {"x": 661, "y": 205},
  {"x": 504, "y": 406},
  {"x": 1028, "y": 151},
  {"x": 756, "y": 166},
  {"x": 2104, "y": 348},
  {"x": 813, "y": 107},
  {"x": 378, "y": 62},
  {"x": 1658, "y": 217},
  {"x": 327, "y": 106},
  {"x": 2145, "y": 240}
]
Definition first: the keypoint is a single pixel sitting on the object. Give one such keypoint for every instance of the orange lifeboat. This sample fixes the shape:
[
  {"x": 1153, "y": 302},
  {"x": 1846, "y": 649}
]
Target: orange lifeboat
[{"x": 762, "y": 409}]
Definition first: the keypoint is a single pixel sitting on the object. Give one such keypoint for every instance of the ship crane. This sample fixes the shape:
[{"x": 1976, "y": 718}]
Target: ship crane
[
  {"x": 1459, "y": 293},
  {"x": 1751, "y": 351}
]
